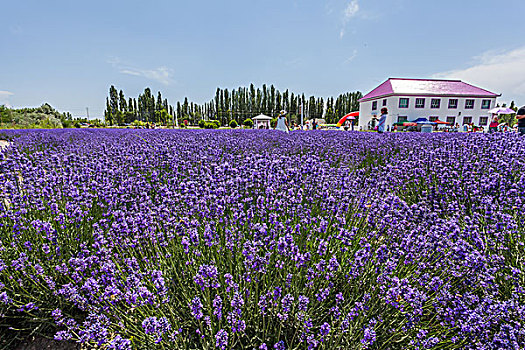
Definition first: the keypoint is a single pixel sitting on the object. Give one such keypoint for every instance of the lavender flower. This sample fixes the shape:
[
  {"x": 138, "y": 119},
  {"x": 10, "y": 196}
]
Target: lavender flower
[
  {"x": 221, "y": 339},
  {"x": 196, "y": 308},
  {"x": 368, "y": 230},
  {"x": 217, "y": 307},
  {"x": 325, "y": 329},
  {"x": 303, "y": 303},
  {"x": 156, "y": 327},
  {"x": 280, "y": 345}
]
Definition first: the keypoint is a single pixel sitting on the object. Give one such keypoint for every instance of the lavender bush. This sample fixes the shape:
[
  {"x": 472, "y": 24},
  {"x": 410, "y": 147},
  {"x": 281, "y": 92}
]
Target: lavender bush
[{"x": 256, "y": 239}]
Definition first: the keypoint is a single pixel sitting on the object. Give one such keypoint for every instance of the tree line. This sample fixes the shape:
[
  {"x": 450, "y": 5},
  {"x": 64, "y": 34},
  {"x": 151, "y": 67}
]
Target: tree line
[
  {"x": 238, "y": 104},
  {"x": 44, "y": 116}
]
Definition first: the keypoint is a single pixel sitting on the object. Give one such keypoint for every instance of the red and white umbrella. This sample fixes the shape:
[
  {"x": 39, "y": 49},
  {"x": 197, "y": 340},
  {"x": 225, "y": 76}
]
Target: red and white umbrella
[{"x": 350, "y": 116}]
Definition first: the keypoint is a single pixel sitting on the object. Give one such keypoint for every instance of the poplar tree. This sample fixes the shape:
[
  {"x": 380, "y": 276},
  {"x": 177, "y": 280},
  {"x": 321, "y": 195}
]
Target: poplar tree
[
  {"x": 122, "y": 102},
  {"x": 159, "y": 106},
  {"x": 108, "y": 116},
  {"x": 113, "y": 103},
  {"x": 264, "y": 104}
]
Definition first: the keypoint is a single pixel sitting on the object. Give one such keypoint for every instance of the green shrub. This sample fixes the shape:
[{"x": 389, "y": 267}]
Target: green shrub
[
  {"x": 233, "y": 124},
  {"x": 202, "y": 122},
  {"x": 248, "y": 123},
  {"x": 67, "y": 123},
  {"x": 273, "y": 123},
  {"x": 138, "y": 123}
]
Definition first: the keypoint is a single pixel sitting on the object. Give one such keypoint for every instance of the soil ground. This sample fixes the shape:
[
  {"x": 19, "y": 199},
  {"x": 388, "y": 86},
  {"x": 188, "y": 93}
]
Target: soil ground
[{"x": 40, "y": 343}]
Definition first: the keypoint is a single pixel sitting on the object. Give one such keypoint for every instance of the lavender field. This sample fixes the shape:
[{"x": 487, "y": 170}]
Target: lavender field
[{"x": 143, "y": 239}]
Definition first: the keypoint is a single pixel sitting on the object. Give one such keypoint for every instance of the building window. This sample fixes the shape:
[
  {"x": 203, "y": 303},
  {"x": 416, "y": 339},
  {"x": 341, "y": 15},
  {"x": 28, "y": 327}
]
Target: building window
[
  {"x": 374, "y": 105},
  {"x": 433, "y": 119},
  {"x": 453, "y": 103},
  {"x": 467, "y": 120},
  {"x": 435, "y": 103},
  {"x": 469, "y": 104},
  {"x": 483, "y": 121},
  {"x": 402, "y": 118},
  {"x": 485, "y": 104},
  {"x": 384, "y": 102},
  {"x": 451, "y": 120},
  {"x": 403, "y": 102},
  {"x": 420, "y": 103}
]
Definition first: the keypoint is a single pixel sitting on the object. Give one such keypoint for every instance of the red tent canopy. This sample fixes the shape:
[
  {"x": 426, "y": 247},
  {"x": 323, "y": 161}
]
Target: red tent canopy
[{"x": 437, "y": 121}]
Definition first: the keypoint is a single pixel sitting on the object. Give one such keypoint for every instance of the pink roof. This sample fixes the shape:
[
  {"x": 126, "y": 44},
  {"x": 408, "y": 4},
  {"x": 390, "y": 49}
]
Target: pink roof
[{"x": 421, "y": 87}]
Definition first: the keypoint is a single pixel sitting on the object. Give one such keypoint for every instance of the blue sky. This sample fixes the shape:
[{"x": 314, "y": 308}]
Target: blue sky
[{"x": 68, "y": 53}]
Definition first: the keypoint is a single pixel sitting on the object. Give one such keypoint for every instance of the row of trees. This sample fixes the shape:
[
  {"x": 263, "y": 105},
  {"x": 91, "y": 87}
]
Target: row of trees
[
  {"x": 237, "y": 104},
  {"x": 145, "y": 108},
  {"x": 509, "y": 119},
  {"x": 243, "y": 103}
]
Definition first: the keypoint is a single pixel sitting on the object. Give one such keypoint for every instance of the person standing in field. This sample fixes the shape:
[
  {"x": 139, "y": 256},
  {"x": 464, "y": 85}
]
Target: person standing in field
[
  {"x": 493, "y": 126},
  {"x": 282, "y": 123},
  {"x": 521, "y": 120},
  {"x": 382, "y": 120}
]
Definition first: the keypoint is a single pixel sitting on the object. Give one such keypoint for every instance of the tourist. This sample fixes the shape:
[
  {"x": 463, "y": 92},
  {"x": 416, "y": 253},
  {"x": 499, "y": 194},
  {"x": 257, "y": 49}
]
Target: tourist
[
  {"x": 382, "y": 120},
  {"x": 493, "y": 126},
  {"x": 282, "y": 123},
  {"x": 521, "y": 120}
]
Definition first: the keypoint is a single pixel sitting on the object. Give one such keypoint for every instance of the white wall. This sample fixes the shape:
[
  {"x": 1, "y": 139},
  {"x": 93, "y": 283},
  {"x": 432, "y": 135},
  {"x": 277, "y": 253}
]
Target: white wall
[{"x": 412, "y": 113}]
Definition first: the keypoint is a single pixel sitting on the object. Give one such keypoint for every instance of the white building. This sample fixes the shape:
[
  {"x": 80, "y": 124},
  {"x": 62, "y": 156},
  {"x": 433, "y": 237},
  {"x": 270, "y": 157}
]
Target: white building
[
  {"x": 262, "y": 122},
  {"x": 451, "y": 101}
]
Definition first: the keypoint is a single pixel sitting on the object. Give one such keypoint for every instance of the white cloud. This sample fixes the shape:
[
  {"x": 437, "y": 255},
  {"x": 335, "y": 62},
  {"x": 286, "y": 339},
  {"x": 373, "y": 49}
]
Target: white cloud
[
  {"x": 295, "y": 63},
  {"x": 501, "y": 72},
  {"x": 162, "y": 74},
  {"x": 351, "y": 10},
  {"x": 4, "y": 98},
  {"x": 5, "y": 93},
  {"x": 351, "y": 58}
]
